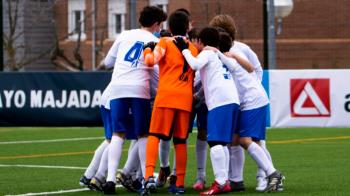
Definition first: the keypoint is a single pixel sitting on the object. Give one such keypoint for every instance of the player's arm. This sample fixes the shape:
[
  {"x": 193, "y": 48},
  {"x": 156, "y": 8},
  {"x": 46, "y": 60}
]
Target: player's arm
[
  {"x": 230, "y": 63},
  {"x": 153, "y": 57},
  {"x": 242, "y": 61},
  {"x": 111, "y": 57},
  {"x": 253, "y": 58},
  {"x": 195, "y": 63}
]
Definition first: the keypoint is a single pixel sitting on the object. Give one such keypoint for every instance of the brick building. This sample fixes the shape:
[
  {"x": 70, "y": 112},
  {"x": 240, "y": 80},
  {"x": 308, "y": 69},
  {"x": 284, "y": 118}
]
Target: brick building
[{"x": 315, "y": 35}]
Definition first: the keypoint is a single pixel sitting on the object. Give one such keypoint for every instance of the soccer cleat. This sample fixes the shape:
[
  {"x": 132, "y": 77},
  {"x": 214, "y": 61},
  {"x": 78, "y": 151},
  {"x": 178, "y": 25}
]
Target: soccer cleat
[
  {"x": 96, "y": 184},
  {"x": 149, "y": 186},
  {"x": 126, "y": 181},
  {"x": 262, "y": 183},
  {"x": 199, "y": 185},
  {"x": 178, "y": 190},
  {"x": 164, "y": 172},
  {"x": 273, "y": 181},
  {"x": 237, "y": 186},
  {"x": 172, "y": 183},
  {"x": 109, "y": 188},
  {"x": 118, "y": 177},
  {"x": 84, "y": 181},
  {"x": 137, "y": 184},
  {"x": 216, "y": 188},
  {"x": 280, "y": 186}
]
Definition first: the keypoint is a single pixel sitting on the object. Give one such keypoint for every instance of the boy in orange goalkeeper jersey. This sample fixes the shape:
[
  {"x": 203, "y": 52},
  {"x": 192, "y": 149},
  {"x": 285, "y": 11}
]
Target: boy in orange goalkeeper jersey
[{"x": 173, "y": 103}]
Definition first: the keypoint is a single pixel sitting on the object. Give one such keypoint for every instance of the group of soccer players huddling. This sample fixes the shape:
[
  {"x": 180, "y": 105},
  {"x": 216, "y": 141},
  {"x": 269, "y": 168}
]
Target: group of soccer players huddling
[{"x": 187, "y": 72}]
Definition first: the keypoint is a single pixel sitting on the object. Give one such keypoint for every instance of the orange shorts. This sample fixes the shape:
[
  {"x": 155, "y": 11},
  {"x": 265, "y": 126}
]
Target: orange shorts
[{"x": 170, "y": 122}]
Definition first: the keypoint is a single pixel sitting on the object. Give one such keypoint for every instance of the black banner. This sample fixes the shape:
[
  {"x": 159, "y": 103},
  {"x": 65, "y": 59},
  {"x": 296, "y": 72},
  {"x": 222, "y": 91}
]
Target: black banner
[{"x": 51, "y": 98}]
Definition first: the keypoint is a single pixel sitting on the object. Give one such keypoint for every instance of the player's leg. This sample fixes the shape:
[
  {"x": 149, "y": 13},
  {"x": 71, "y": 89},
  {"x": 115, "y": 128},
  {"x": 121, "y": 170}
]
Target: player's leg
[
  {"x": 164, "y": 172},
  {"x": 131, "y": 165},
  {"x": 236, "y": 165},
  {"x": 100, "y": 177},
  {"x": 201, "y": 147},
  {"x": 256, "y": 130},
  {"x": 221, "y": 123},
  {"x": 141, "y": 109},
  {"x": 119, "y": 113},
  {"x": 161, "y": 122},
  {"x": 94, "y": 164},
  {"x": 181, "y": 124}
]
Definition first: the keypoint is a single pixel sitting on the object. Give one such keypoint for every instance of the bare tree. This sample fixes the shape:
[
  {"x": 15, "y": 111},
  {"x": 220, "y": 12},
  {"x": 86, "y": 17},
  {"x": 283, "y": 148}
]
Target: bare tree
[{"x": 17, "y": 51}]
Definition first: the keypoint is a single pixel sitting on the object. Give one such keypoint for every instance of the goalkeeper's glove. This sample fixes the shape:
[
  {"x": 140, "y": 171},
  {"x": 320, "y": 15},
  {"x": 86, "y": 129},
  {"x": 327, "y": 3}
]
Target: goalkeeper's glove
[
  {"x": 180, "y": 43},
  {"x": 150, "y": 45}
]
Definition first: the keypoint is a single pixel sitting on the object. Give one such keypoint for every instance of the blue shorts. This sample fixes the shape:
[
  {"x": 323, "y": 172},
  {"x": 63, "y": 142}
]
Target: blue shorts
[
  {"x": 222, "y": 122},
  {"x": 140, "y": 111},
  {"x": 252, "y": 123},
  {"x": 107, "y": 122}
]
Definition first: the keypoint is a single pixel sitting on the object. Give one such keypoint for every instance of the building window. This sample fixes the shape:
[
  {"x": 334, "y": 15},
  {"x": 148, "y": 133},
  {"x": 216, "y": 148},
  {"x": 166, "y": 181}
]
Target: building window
[
  {"x": 76, "y": 19},
  {"x": 116, "y": 17},
  {"x": 162, "y": 4}
]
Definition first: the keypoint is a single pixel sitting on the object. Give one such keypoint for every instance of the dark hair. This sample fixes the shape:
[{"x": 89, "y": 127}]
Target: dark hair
[
  {"x": 193, "y": 34},
  {"x": 184, "y": 10},
  {"x": 225, "y": 42},
  {"x": 209, "y": 36},
  {"x": 178, "y": 23},
  {"x": 150, "y": 15}
]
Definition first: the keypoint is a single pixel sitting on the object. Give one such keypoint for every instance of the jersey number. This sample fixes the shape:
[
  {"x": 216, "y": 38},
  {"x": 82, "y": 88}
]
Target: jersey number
[
  {"x": 227, "y": 74},
  {"x": 134, "y": 54}
]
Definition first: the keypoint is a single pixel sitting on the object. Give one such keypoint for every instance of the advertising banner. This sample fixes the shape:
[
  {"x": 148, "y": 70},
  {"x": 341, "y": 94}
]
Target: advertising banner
[
  {"x": 51, "y": 98},
  {"x": 309, "y": 98}
]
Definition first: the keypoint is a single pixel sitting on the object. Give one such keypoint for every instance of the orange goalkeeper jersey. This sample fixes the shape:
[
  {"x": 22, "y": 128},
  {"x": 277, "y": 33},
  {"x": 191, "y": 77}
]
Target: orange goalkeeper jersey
[{"x": 175, "y": 76}]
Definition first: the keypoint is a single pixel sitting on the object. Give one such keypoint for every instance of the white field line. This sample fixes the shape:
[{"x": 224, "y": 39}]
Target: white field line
[
  {"x": 54, "y": 192},
  {"x": 45, "y": 166},
  {"x": 58, "y": 192},
  {"x": 49, "y": 141}
]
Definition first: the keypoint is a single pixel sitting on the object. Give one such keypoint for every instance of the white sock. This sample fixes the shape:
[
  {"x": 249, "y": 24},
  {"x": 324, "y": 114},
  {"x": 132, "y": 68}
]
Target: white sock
[
  {"x": 114, "y": 154},
  {"x": 139, "y": 173},
  {"x": 237, "y": 159},
  {"x": 258, "y": 154},
  {"x": 201, "y": 154},
  {"x": 133, "y": 160},
  {"x": 95, "y": 162},
  {"x": 174, "y": 164},
  {"x": 164, "y": 151},
  {"x": 131, "y": 146},
  {"x": 227, "y": 156},
  {"x": 218, "y": 161},
  {"x": 142, "y": 154},
  {"x": 261, "y": 173},
  {"x": 102, "y": 168}
]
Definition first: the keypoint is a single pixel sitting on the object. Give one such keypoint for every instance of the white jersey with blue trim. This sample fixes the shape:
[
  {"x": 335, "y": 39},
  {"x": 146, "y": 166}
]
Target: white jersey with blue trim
[
  {"x": 252, "y": 58},
  {"x": 219, "y": 87},
  {"x": 131, "y": 76},
  {"x": 251, "y": 92}
]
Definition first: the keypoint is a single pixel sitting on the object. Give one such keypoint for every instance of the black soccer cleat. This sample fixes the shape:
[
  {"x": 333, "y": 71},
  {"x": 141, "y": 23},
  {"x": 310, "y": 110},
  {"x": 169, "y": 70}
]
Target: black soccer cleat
[
  {"x": 84, "y": 181},
  {"x": 237, "y": 186},
  {"x": 109, "y": 188},
  {"x": 126, "y": 181},
  {"x": 164, "y": 172},
  {"x": 273, "y": 181},
  {"x": 96, "y": 184}
]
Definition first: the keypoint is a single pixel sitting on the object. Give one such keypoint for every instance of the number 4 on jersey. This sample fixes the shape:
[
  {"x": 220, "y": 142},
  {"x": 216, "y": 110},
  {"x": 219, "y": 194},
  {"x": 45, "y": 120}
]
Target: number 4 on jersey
[{"x": 134, "y": 54}]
